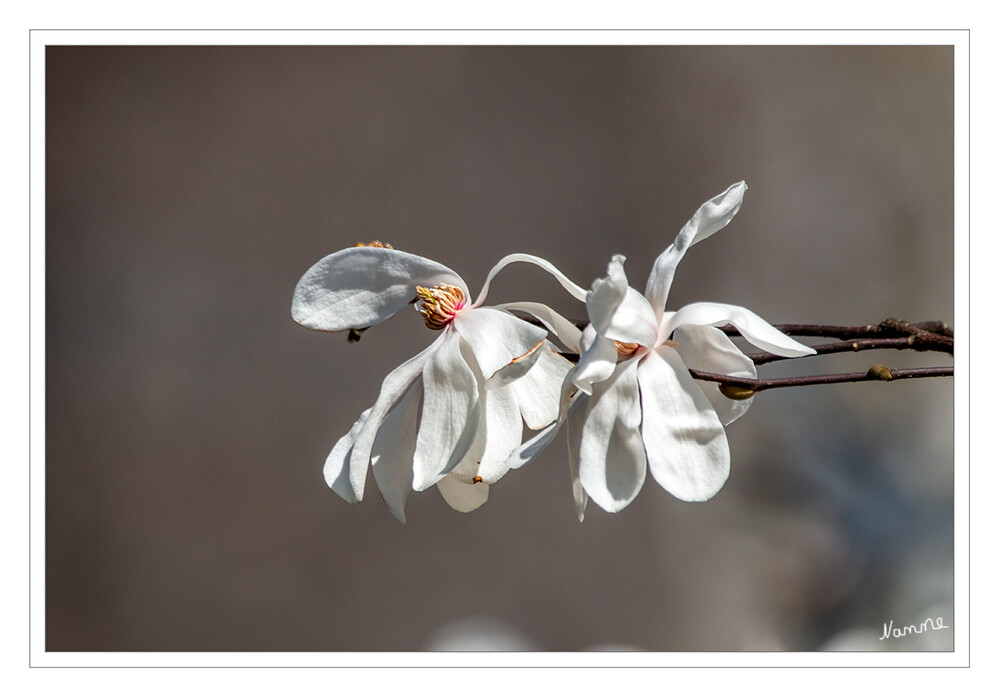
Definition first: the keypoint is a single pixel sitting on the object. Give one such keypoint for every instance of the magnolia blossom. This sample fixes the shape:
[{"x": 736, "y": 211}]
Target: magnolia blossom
[
  {"x": 452, "y": 414},
  {"x": 636, "y": 405}
]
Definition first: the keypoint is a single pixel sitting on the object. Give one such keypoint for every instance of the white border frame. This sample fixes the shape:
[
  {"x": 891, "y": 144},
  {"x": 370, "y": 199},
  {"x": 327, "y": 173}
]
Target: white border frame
[{"x": 959, "y": 39}]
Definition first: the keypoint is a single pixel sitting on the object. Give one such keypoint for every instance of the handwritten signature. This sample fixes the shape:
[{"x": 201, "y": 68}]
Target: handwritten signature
[{"x": 929, "y": 624}]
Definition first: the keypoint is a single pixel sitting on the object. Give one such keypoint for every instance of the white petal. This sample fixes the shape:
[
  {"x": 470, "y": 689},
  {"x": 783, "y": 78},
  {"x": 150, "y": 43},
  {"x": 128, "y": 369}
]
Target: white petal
[
  {"x": 709, "y": 219},
  {"x": 463, "y": 497},
  {"x": 574, "y": 436},
  {"x": 450, "y": 412},
  {"x": 500, "y": 429},
  {"x": 392, "y": 452},
  {"x": 336, "y": 471},
  {"x": 538, "y": 391},
  {"x": 567, "y": 332},
  {"x": 361, "y": 286},
  {"x": 597, "y": 362},
  {"x": 611, "y": 454},
  {"x": 496, "y": 337},
  {"x": 574, "y": 290},
  {"x": 618, "y": 311},
  {"x": 394, "y": 386},
  {"x": 708, "y": 349},
  {"x": 529, "y": 450},
  {"x": 754, "y": 328},
  {"x": 686, "y": 444},
  {"x": 533, "y": 447}
]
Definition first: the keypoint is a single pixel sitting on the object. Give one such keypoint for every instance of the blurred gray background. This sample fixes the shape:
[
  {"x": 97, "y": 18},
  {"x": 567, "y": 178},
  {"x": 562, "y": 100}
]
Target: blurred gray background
[{"x": 188, "y": 417}]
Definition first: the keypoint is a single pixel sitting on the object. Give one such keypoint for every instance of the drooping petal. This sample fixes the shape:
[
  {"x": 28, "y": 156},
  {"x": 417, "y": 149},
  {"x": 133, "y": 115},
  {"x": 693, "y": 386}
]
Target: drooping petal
[
  {"x": 463, "y": 497},
  {"x": 566, "y": 332},
  {"x": 361, "y": 286},
  {"x": 708, "y": 349},
  {"x": 538, "y": 391},
  {"x": 596, "y": 363},
  {"x": 393, "y": 388},
  {"x": 574, "y": 436},
  {"x": 531, "y": 448},
  {"x": 574, "y": 290},
  {"x": 611, "y": 454},
  {"x": 496, "y": 337},
  {"x": 754, "y": 328},
  {"x": 618, "y": 311},
  {"x": 392, "y": 452},
  {"x": 684, "y": 439},
  {"x": 336, "y": 471},
  {"x": 709, "y": 219},
  {"x": 498, "y": 435},
  {"x": 450, "y": 416}
]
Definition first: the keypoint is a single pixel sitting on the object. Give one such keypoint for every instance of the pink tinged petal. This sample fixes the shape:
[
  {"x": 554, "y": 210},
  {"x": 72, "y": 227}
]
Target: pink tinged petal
[
  {"x": 709, "y": 219},
  {"x": 618, "y": 311},
  {"x": 611, "y": 453},
  {"x": 450, "y": 412},
  {"x": 574, "y": 290},
  {"x": 574, "y": 433},
  {"x": 361, "y": 286},
  {"x": 566, "y": 332},
  {"x": 463, "y": 497},
  {"x": 392, "y": 452},
  {"x": 393, "y": 388},
  {"x": 685, "y": 442},
  {"x": 708, "y": 349},
  {"x": 496, "y": 337},
  {"x": 754, "y": 328},
  {"x": 538, "y": 391},
  {"x": 597, "y": 362},
  {"x": 336, "y": 471}
]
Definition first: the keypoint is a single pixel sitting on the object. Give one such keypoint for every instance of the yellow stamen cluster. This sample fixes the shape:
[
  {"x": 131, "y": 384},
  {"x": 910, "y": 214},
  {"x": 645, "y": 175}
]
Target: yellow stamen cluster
[
  {"x": 375, "y": 243},
  {"x": 440, "y": 304},
  {"x": 626, "y": 349}
]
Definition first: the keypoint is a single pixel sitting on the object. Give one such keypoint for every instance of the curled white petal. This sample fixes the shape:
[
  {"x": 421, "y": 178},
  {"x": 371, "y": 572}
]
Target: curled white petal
[
  {"x": 611, "y": 455},
  {"x": 754, "y": 328},
  {"x": 361, "y": 286},
  {"x": 463, "y": 497},
  {"x": 686, "y": 445},
  {"x": 711, "y": 217},
  {"x": 573, "y": 289},
  {"x": 709, "y": 350}
]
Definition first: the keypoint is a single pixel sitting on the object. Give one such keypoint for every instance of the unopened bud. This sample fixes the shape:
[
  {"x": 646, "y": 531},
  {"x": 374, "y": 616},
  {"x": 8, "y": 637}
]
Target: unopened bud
[{"x": 736, "y": 392}]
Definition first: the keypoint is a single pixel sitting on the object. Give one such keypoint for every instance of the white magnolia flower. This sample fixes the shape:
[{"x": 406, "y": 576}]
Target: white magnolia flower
[
  {"x": 636, "y": 403},
  {"x": 452, "y": 414}
]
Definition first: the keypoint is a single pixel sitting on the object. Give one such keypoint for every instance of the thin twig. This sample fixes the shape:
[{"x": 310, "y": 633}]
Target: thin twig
[
  {"x": 889, "y": 327},
  {"x": 936, "y": 342},
  {"x": 737, "y": 388}
]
